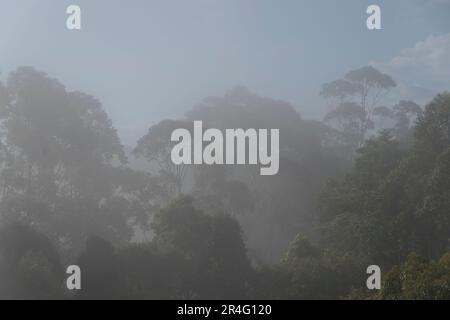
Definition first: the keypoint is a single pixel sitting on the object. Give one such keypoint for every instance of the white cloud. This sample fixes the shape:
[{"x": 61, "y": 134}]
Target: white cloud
[
  {"x": 421, "y": 70},
  {"x": 426, "y": 61}
]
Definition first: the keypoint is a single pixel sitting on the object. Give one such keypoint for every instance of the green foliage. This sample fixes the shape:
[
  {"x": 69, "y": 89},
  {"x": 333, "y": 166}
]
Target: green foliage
[
  {"x": 306, "y": 272},
  {"x": 63, "y": 172},
  {"x": 416, "y": 278},
  {"x": 393, "y": 202}
]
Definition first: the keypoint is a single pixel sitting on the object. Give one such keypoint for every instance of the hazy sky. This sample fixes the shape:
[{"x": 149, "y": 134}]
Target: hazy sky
[{"x": 148, "y": 60}]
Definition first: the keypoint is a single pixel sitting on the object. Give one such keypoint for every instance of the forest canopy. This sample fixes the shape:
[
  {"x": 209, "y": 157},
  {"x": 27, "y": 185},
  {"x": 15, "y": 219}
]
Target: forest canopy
[{"x": 349, "y": 193}]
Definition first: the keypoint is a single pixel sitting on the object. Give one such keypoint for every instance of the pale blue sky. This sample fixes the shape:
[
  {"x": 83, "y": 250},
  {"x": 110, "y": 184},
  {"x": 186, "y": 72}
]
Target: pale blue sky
[{"x": 148, "y": 60}]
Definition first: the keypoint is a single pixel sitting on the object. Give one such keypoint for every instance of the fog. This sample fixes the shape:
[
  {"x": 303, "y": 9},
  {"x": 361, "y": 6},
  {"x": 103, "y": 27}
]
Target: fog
[{"x": 87, "y": 172}]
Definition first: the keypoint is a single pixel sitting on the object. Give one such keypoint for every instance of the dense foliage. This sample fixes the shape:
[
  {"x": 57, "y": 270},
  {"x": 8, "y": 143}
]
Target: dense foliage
[{"x": 347, "y": 196}]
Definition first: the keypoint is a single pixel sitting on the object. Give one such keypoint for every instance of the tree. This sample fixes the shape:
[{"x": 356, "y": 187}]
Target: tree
[
  {"x": 29, "y": 264},
  {"x": 354, "y": 100},
  {"x": 271, "y": 210},
  {"x": 212, "y": 246},
  {"x": 54, "y": 139},
  {"x": 62, "y": 163},
  {"x": 418, "y": 279},
  {"x": 433, "y": 126},
  {"x": 152, "y": 273},
  {"x": 214, "y": 191},
  {"x": 394, "y": 201},
  {"x": 103, "y": 276},
  {"x": 405, "y": 113},
  {"x": 156, "y": 147},
  {"x": 310, "y": 271}
]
